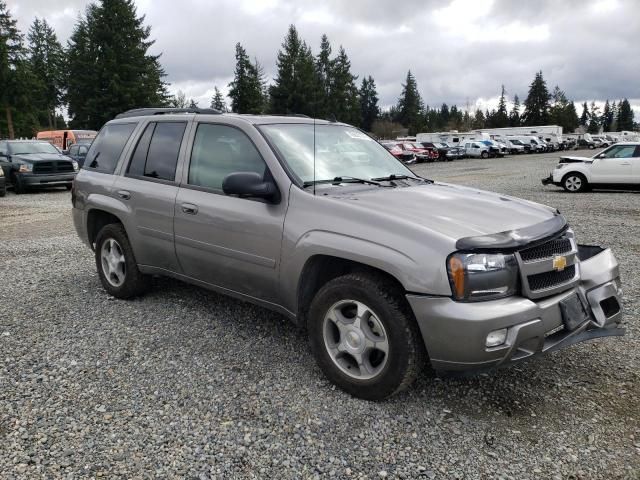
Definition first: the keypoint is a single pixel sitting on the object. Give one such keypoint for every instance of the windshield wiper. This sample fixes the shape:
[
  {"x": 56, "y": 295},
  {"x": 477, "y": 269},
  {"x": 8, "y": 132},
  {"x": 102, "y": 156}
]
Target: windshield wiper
[
  {"x": 399, "y": 176},
  {"x": 344, "y": 179}
]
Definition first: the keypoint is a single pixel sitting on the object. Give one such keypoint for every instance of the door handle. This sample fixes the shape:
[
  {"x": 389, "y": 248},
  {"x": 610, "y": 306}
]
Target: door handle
[
  {"x": 124, "y": 194},
  {"x": 189, "y": 208}
]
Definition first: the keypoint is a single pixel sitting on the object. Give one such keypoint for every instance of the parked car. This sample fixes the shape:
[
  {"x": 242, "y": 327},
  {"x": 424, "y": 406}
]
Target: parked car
[
  {"x": 78, "y": 152},
  {"x": 3, "y": 183},
  {"x": 445, "y": 152},
  {"x": 405, "y": 156},
  {"x": 584, "y": 143},
  {"x": 383, "y": 268},
  {"x": 35, "y": 163},
  {"x": 477, "y": 149},
  {"x": 616, "y": 167},
  {"x": 525, "y": 147},
  {"x": 456, "y": 151},
  {"x": 423, "y": 154},
  {"x": 495, "y": 150}
]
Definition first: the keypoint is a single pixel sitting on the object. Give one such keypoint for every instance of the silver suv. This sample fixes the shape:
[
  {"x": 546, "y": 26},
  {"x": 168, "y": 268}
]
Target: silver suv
[{"x": 319, "y": 222}]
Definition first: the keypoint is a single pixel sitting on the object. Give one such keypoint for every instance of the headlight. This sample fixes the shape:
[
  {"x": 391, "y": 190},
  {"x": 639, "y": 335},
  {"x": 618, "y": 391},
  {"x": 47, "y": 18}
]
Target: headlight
[
  {"x": 25, "y": 167},
  {"x": 482, "y": 276},
  {"x": 75, "y": 165}
]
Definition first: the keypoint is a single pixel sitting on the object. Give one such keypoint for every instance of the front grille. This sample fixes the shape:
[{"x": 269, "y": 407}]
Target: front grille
[
  {"x": 546, "y": 280},
  {"x": 44, "y": 168},
  {"x": 550, "y": 249}
]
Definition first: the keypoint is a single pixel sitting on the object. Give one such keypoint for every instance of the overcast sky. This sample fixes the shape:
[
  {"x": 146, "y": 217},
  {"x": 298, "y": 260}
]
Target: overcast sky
[{"x": 460, "y": 51}]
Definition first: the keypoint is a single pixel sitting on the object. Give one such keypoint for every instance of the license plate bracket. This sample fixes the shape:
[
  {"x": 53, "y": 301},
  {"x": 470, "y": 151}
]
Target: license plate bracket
[{"x": 573, "y": 311}]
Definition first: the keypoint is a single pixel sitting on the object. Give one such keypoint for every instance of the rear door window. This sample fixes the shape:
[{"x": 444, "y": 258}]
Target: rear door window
[
  {"x": 156, "y": 154},
  {"x": 106, "y": 149}
]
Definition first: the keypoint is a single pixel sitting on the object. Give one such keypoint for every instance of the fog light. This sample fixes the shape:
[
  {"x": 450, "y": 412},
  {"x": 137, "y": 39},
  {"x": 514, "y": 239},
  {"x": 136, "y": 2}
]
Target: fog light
[{"x": 497, "y": 337}]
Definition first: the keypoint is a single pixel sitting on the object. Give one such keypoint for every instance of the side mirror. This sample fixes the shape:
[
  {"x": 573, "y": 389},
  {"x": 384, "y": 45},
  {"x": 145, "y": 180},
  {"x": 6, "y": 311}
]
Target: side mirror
[
  {"x": 601, "y": 155},
  {"x": 249, "y": 184}
]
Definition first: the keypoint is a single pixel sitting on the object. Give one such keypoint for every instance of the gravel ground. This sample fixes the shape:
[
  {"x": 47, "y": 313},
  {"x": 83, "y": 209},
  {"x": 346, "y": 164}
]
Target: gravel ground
[{"x": 185, "y": 383}]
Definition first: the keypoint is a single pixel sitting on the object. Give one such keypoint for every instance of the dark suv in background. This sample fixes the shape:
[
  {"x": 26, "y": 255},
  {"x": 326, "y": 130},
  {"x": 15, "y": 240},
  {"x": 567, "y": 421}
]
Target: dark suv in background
[{"x": 34, "y": 163}]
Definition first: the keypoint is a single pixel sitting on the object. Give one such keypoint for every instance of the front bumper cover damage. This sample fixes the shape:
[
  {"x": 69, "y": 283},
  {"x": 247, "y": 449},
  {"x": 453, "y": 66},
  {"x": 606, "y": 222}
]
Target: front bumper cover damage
[{"x": 455, "y": 333}]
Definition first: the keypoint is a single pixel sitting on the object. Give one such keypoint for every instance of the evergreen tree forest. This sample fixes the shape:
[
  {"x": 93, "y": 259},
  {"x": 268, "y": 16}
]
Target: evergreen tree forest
[{"x": 106, "y": 68}]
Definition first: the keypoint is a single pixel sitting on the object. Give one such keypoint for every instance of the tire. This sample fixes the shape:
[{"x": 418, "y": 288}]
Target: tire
[
  {"x": 18, "y": 185},
  {"x": 124, "y": 279},
  {"x": 3, "y": 191},
  {"x": 68, "y": 186},
  {"x": 484, "y": 154},
  {"x": 574, "y": 182},
  {"x": 377, "y": 375}
]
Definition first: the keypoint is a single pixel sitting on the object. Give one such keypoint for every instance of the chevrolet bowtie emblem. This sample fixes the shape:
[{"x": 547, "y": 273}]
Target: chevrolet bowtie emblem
[{"x": 559, "y": 263}]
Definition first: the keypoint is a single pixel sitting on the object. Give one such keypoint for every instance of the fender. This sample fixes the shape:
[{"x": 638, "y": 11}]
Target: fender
[{"x": 408, "y": 271}]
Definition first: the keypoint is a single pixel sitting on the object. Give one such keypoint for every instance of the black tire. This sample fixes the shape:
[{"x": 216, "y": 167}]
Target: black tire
[
  {"x": 406, "y": 351},
  {"x": 18, "y": 185},
  {"x": 135, "y": 283},
  {"x": 68, "y": 186},
  {"x": 574, "y": 182},
  {"x": 484, "y": 154},
  {"x": 3, "y": 191}
]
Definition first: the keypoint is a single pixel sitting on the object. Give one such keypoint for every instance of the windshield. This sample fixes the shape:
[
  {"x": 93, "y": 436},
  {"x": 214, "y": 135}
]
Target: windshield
[
  {"x": 22, "y": 148},
  {"x": 340, "y": 151}
]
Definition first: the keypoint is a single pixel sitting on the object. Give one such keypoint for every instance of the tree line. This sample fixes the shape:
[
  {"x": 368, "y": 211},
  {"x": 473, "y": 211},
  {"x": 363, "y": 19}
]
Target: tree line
[{"x": 106, "y": 68}]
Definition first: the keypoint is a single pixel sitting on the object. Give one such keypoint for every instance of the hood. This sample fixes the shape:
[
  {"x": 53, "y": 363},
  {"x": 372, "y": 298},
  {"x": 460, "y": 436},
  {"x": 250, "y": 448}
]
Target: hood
[
  {"x": 576, "y": 160},
  {"x": 40, "y": 157},
  {"x": 452, "y": 210}
]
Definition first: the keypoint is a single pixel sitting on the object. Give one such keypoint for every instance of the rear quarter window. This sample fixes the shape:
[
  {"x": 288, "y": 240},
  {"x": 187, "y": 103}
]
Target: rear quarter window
[{"x": 107, "y": 147}]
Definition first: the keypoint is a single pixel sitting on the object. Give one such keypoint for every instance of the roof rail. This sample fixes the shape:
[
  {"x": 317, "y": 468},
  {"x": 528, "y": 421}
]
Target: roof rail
[{"x": 142, "y": 112}]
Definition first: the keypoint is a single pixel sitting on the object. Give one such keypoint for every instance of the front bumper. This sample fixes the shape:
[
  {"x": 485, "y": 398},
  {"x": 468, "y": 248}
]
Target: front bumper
[
  {"x": 455, "y": 333},
  {"x": 52, "y": 180}
]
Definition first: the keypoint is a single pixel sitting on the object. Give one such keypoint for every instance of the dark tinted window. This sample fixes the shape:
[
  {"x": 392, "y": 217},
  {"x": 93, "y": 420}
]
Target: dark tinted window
[
  {"x": 163, "y": 150},
  {"x": 139, "y": 157},
  {"x": 219, "y": 150},
  {"x": 108, "y": 145},
  {"x": 156, "y": 154}
]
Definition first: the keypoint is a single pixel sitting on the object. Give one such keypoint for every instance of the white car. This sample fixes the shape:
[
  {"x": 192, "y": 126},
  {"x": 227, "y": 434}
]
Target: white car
[
  {"x": 616, "y": 167},
  {"x": 476, "y": 149}
]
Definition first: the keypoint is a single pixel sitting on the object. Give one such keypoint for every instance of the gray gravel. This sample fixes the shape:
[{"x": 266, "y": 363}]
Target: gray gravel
[{"x": 185, "y": 383}]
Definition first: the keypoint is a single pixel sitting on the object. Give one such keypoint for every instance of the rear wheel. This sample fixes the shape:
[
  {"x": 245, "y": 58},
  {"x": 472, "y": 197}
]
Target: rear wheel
[
  {"x": 364, "y": 337},
  {"x": 116, "y": 264},
  {"x": 484, "y": 154},
  {"x": 574, "y": 182}
]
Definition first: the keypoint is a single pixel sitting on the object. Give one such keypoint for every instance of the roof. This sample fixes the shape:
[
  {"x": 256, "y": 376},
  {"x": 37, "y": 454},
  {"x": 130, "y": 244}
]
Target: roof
[{"x": 211, "y": 114}]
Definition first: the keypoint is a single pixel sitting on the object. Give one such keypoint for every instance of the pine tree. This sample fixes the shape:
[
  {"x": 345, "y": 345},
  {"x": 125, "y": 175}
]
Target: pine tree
[
  {"x": 536, "y": 106},
  {"x": 479, "y": 119},
  {"x": 246, "y": 89},
  {"x": 324, "y": 69},
  {"x": 571, "y": 118},
  {"x": 295, "y": 88},
  {"x": 109, "y": 69},
  {"x": 562, "y": 112},
  {"x": 46, "y": 63},
  {"x": 607, "y": 117},
  {"x": 584, "y": 118},
  {"x": 514, "y": 116},
  {"x": 192, "y": 103},
  {"x": 217, "y": 101},
  {"x": 614, "y": 117},
  {"x": 11, "y": 61},
  {"x": 625, "y": 115},
  {"x": 594, "y": 119},
  {"x": 344, "y": 102},
  {"x": 179, "y": 100},
  {"x": 369, "y": 109},
  {"x": 501, "y": 118},
  {"x": 410, "y": 105}
]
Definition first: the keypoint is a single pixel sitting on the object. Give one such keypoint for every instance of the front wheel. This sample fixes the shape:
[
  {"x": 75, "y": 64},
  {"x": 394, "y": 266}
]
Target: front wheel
[
  {"x": 484, "y": 154},
  {"x": 574, "y": 182},
  {"x": 116, "y": 264},
  {"x": 18, "y": 185},
  {"x": 364, "y": 337}
]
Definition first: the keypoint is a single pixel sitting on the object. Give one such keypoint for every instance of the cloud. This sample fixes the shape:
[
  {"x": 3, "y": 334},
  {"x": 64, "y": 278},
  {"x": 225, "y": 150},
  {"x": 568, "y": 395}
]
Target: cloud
[{"x": 460, "y": 51}]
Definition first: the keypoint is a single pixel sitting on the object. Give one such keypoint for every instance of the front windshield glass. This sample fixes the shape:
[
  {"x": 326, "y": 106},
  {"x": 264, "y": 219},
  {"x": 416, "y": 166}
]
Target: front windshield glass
[
  {"x": 22, "y": 148},
  {"x": 340, "y": 151}
]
